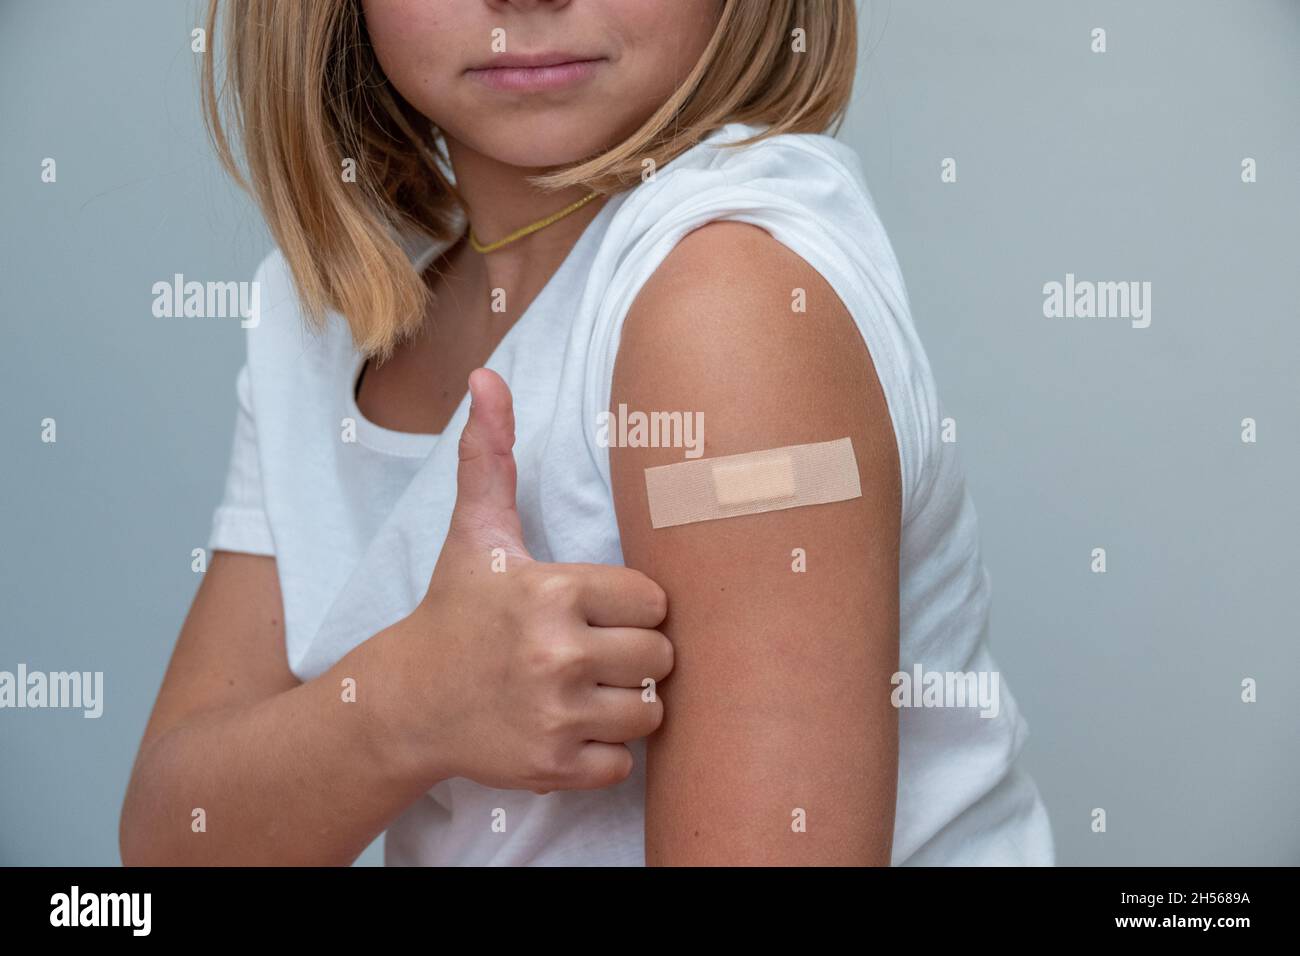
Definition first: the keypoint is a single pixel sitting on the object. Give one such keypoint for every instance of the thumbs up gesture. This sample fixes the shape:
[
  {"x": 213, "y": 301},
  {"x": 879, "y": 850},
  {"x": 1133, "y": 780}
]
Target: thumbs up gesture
[{"x": 516, "y": 673}]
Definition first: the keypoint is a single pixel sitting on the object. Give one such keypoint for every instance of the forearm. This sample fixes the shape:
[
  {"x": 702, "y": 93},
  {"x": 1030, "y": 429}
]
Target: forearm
[{"x": 306, "y": 777}]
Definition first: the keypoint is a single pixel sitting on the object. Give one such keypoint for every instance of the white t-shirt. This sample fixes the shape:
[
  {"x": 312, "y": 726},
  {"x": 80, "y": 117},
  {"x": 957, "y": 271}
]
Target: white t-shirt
[{"x": 356, "y": 526}]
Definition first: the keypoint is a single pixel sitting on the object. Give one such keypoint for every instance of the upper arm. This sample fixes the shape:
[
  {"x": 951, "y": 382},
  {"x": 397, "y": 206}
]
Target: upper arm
[
  {"x": 231, "y": 648},
  {"x": 777, "y": 710}
]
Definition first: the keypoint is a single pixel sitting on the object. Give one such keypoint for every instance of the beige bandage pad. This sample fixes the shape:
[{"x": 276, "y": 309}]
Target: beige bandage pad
[{"x": 752, "y": 483}]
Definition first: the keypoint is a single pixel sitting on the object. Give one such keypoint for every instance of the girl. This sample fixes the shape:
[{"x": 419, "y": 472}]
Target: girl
[{"x": 451, "y": 616}]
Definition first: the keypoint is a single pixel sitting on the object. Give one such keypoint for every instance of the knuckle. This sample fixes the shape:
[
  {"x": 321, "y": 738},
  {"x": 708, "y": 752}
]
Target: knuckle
[
  {"x": 557, "y": 768},
  {"x": 553, "y": 588},
  {"x": 539, "y": 774},
  {"x": 556, "y": 656},
  {"x": 468, "y": 449},
  {"x": 553, "y": 723},
  {"x": 560, "y": 590}
]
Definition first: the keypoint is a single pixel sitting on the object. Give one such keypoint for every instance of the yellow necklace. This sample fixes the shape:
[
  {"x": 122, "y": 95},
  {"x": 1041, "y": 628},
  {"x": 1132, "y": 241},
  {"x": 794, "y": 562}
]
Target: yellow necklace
[{"x": 529, "y": 230}]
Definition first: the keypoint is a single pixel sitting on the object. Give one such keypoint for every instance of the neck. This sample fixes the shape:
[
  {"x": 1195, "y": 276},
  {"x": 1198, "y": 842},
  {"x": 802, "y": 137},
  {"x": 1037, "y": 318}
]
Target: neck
[{"x": 499, "y": 200}]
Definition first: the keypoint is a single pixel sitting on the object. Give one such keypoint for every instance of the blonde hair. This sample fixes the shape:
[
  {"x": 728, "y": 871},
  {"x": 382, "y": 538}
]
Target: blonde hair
[{"x": 302, "y": 92}]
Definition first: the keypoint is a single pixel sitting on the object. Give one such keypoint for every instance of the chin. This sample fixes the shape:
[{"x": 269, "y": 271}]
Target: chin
[{"x": 541, "y": 141}]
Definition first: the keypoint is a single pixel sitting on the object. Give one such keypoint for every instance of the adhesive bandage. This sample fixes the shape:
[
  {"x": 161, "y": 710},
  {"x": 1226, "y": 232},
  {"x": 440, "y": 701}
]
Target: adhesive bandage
[{"x": 752, "y": 483}]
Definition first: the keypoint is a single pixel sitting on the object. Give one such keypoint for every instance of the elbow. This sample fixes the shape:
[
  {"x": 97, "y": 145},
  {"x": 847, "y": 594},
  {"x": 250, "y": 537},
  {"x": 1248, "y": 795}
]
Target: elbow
[
  {"x": 129, "y": 846},
  {"x": 135, "y": 843},
  {"x": 139, "y": 841},
  {"x": 131, "y": 841}
]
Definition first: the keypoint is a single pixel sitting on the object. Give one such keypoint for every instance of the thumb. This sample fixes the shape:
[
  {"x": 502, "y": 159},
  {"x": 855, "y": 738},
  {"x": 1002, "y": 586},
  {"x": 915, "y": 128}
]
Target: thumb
[{"x": 485, "y": 512}]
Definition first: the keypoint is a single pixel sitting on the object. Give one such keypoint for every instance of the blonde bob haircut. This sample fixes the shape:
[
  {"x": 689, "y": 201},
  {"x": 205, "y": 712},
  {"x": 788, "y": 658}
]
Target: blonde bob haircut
[{"x": 301, "y": 92}]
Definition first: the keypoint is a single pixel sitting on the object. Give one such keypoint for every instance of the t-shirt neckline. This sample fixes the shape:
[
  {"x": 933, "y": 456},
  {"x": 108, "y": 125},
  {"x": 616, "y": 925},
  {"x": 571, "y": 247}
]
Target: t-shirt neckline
[{"x": 419, "y": 444}]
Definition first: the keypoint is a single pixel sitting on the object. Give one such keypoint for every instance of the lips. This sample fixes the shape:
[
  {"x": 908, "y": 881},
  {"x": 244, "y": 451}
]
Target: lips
[{"x": 535, "y": 72}]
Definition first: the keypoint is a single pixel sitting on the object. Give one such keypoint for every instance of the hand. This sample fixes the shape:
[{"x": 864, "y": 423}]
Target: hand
[{"x": 515, "y": 673}]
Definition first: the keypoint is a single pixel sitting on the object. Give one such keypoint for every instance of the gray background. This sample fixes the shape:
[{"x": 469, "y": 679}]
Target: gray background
[{"x": 1076, "y": 433}]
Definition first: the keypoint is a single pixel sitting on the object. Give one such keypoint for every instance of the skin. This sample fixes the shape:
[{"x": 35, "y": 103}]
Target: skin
[
  {"x": 532, "y": 679},
  {"x": 496, "y": 141},
  {"x": 524, "y": 680},
  {"x": 778, "y": 706}
]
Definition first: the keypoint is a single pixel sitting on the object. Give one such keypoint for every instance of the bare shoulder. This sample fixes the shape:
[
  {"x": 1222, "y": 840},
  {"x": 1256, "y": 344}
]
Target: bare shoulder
[
  {"x": 785, "y": 623},
  {"x": 737, "y": 326}
]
